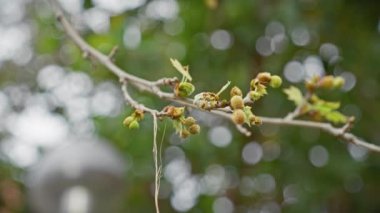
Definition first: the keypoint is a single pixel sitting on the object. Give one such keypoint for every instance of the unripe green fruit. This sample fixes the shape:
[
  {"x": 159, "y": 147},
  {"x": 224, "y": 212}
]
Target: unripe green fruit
[
  {"x": 189, "y": 121},
  {"x": 184, "y": 89},
  {"x": 338, "y": 82},
  {"x": 264, "y": 77},
  {"x": 128, "y": 120},
  {"x": 194, "y": 129},
  {"x": 237, "y": 102},
  {"x": 275, "y": 81},
  {"x": 254, "y": 95},
  {"x": 238, "y": 116},
  {"x": 184, "y": 133},
  {"x": 235, "y": 91},
  {"x": 134, "y": 125},
  {"x": 327, "y": 82}
]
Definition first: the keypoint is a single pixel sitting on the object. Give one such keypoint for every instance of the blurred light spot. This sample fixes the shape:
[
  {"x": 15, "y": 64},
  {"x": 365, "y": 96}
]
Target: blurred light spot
[
  {"x": 12, "y": 11},
  {"x": 352, "y": 110},
  {"x": 318, "y": 156},
  {"x": 77, "y": 109},
  {"x": 185, "y": 194},
  {"x": 264, "y": 46},
  {"x": 252, "y": 153},
  {"x": 300, "y": 36},
  {"x": 313, "y": 67},
  {"x": 350, "y": 81},
  {"x": 14, "y": 41},
  {"x": 4, "y": 104},
  {"x": 177, "y": 171},
  {"x": 221, "y": 39},
  {"x": 213, "y": 180},
  {"x": 357, "y": 152},
  {"x": 50, "y": 77},
  {"x": 329, "y": 52},
  {"x": 97, "y": 20},
  {"x": 132, "y": 37},
  {"x": 173, "y": 152},
  {"x": 270, "y": 207},
  {"x": 38, "y": 127},
  {"x": 118, "y": 6},
  {"x": 290, "y": 193},
  {"x": 353, "y": 184},
  {"x": 76, "y": 199},
  {"x": 279, "y": 43},
  {"x": 106, "y": 100},
  {"x": 72, "y": 6},
  {"x": 265, "y": 183},
  {"x": 246, "y": 186},
  {"x": 19, "y": 153},
  {"x": 174, "y": 27},
  {"x": 220, "y": 136},
  {"x": 274, "y": 28},
  {"x": 223, "y": 205},
  {"x": 162, "y": 9},
  {"x": 271, "y": 150},
  {"x": 176, "y": 50},
  {"x": 294, "y": 72},
  {"x": 17, "y": 94}
]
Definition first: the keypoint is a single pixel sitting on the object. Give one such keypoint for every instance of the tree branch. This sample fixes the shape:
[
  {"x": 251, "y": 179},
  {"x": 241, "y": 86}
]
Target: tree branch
[{"x": 153, "y": 87}]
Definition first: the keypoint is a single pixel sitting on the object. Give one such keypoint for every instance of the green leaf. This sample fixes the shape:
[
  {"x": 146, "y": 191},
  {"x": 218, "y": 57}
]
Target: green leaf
[
  {"x": 295, "y": 95},
  {"x": 336, "y": 117}
]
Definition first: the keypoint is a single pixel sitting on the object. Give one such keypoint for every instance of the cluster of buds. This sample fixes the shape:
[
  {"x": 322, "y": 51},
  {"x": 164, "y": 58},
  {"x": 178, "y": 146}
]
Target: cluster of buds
[
  {"x": 185, "y": 126},
  {"x": 241, "y": 113},
  {"x": 132, "y": 121},
  {"x": 206, "y": 100},
  {"x": 325, "y": 82},
  {"x": 259, "y": 84}
]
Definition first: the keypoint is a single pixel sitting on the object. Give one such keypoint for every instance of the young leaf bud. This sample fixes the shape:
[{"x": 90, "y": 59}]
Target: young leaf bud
[
  {"x": 134, "y": 125},
  {"x": 235, "y": 91},
  {"x": 184, "y": 133},
  {"x": 128, "y": 120},
  {"x": 264, "y": 77},
  {"x": 275, "y": 81},
  {"x": 338, "y": 82},
  {"x": 327, "y": 82},
  {"x": 237, "y": 102},
  {"x": 194, "y": 129},
  {"x": 184, "y": 89},
  {"x": 238, "y": 116},
  {"x": 258, "y": 121},
  {"x": 189, "y": 121},
  {"x": 254, "y": 95}
]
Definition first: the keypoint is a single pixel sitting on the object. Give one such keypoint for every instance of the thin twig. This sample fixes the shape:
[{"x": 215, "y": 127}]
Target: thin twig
[
  {"x": 153, "y": 87},
  {"x": 157, "y": 167}
]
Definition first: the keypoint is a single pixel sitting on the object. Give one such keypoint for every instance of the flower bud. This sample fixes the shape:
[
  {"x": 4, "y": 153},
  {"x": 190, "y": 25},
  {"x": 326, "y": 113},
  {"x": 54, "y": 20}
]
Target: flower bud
[
  {"x": 139, "y": 114},
  {"x": 184, "y": 89},
  {"x": 237, "y": 102},
  {"x": 235, "y": 91},
  {"x": 254, "y": 95},
  {"x": 128, "y": 120},
  {"x": 327, "y": 82},
  {"x": 238, "y": 116},
  {"x": 275, "y": 81},
  {"x": 134, "y": 125},
  {"x": 194, "y": 129},
  {"x": 178, "y": 112},
  {"x": 189, "y": 121},
  {"x": 338, "y": 82},
  {"x": 184, "y": 133},
  {"x": 264, "y": 77}
]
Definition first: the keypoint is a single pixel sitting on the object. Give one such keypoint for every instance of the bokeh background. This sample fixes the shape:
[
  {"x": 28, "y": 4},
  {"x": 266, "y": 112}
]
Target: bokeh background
[{"x": 63, "y": 147}]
